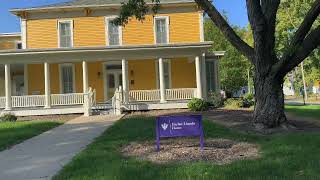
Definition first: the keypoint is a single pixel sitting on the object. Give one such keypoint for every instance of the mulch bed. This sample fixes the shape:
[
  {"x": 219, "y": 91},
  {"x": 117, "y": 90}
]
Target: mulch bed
[
  {"x": 217, "y": 151},
  {"x": 239, "y": 119}
]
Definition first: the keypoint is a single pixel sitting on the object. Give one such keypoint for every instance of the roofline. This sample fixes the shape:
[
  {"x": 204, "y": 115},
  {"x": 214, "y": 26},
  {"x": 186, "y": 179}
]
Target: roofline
[
  {"x": 16, "y": 10},
  {"x": 207, "y": 44},
  {"x": 216, "y": 53},
  {"x": 15, "y": 34}
]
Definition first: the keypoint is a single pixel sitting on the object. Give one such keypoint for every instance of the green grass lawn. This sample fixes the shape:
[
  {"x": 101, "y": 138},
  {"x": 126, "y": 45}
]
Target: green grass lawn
[
  {"x": 12, "y": 133},
  {"x": 312, "y": 111},
  {"x": 289, "y": 156}
]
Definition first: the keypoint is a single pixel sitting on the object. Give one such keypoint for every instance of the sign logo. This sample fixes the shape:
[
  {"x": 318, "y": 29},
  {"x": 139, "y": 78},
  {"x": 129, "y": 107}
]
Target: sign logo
[{"x": 164, "y": 126}]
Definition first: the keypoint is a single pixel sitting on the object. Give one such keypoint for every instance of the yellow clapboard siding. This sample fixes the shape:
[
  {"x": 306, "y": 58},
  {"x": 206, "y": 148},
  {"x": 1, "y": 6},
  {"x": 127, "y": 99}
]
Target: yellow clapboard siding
[
  {"x": 95, "y": 77},
  {"x": 7, "y": 45},
  {"x": 90, "y": 31},
  {"x": 183, "y": 73},
  {"x": 142, "y": 74},
  {"x": 42, "y": 33}
]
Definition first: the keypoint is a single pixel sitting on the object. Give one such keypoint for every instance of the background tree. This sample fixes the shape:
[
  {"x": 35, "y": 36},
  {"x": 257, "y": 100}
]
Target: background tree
[
  {"x": 291, "y": 14},
  {"x": 233, "y": 66},
  {"x": 270, "y": 65}
]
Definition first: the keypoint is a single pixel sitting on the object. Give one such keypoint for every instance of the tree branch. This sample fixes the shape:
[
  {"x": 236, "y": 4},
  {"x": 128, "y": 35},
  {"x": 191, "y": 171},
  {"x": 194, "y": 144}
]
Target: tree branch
[
  {"x": 255, "y": 15},
  {"x": 300, "y": 42},
  {"x": 306, "y": 24},
  {"x": 310, "y": 43},
  {"x": 226, "y": 29}
]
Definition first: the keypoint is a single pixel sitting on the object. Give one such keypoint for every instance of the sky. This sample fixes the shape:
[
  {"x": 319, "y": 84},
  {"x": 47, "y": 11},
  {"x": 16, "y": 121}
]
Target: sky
[{"x": 235, "y": 9}]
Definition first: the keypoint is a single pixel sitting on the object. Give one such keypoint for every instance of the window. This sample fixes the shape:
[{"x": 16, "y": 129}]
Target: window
[
  {"x": 166, "y": 74},
  {"x": 161, "y": 30},
  {"x": 114, "y": 33},
  {"x": 65, "y": 34},
  {"x": 210, "y": 70},
  {"x": 67, "y": 78}
]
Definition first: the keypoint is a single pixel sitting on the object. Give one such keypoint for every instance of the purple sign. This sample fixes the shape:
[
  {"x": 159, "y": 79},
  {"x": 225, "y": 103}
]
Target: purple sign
[{"x": 179, "y": 126}]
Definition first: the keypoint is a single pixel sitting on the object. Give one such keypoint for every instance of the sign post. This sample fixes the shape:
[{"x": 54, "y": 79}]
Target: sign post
[{"x": 179, "y": 126}]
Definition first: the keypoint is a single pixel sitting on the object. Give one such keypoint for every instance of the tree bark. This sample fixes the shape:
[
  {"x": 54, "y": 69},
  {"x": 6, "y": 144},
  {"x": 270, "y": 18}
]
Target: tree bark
[{"x": 269, "y": 97}]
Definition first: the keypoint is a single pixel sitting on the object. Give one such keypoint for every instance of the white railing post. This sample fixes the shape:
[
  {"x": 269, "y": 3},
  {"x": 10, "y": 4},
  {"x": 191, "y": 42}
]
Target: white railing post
[
  {"x": 198, "y": 77},
  {"x": 47, "y": 85},
  {"x": 117, "y": 103},
  {"x": 162, "y": 83},
  {"x": 7, "y": 70},
  {"x": 125, "y": 81}
]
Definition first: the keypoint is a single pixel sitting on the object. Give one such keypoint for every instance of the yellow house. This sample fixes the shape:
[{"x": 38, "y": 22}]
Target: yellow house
[{"x": 75, "y": 60}]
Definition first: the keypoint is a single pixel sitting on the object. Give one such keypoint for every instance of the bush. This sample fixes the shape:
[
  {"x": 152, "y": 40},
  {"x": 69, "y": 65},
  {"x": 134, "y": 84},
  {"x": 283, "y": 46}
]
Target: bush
[
  {"x": 233, "y": 103},
  {"x": 244, "y": 102},
  {"x": 8, "y": 118},
  {"x": 198, "y": 105},
  {"x": 215, "y": 99},
  {"x": 247, "y": 101}
]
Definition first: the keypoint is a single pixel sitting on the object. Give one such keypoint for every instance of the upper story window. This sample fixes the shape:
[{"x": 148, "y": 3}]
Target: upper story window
[
  {"x": 114, "y": 33},
  {"x": 161, "y": 30},
  {"x": 65, "y": 33}
]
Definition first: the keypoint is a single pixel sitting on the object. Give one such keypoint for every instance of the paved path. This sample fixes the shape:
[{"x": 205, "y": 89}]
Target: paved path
[{"x": 43, "y": 156}]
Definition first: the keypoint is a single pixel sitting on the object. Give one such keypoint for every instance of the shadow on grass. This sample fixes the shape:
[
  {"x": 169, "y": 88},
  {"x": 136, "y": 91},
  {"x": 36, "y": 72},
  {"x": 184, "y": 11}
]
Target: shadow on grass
[
  {"x": 12, "y": 133},
  {"x": 312, "y": 111}
]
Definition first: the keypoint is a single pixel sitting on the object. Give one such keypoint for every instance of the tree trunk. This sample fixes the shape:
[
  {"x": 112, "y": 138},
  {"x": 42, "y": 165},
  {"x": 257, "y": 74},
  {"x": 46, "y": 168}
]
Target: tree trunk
[{"x": 269, "y": 97}]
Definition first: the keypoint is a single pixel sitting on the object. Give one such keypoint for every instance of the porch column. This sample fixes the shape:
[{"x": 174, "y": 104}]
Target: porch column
[
  {"x": 85, "y": 77},
  {"x": 198, "y": 77},
  {"x": 7, "y": 71},
  {"x": 162, "y": 83},
  {"x": 125, "y": 80},
  {"x": 86, "y": 105},
  {"x": 47, "y": 88},
  {"x": 204, "y": 76}
]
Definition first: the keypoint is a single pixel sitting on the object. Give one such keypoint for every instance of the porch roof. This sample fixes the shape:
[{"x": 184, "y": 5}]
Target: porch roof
[{"x": 60, "y": 55}]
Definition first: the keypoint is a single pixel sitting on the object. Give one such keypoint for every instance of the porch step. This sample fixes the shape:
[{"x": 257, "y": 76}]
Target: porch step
[{"x": 102, "y": 109}]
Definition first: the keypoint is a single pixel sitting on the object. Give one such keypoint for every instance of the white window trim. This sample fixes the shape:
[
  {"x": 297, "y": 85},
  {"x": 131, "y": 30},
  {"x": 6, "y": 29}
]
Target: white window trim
[
  {"x": 201, "y": 14},
  {"x": 107, "y": 19},
  {"x": 73, "y": 76},
  {"x": 72, "y": 29},
  {"x": 157, "y": 73},
  {"x": 154, "y": 28}
]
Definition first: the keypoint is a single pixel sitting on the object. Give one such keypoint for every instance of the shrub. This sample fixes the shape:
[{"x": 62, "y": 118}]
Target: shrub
[
  {"x": 233, "y": 103},
  {"x": 215, "y": 99},
  {"x": 8, "y": 118},
  {"x": 198, "y": 105},
  {"x": 248, "y": 101}
]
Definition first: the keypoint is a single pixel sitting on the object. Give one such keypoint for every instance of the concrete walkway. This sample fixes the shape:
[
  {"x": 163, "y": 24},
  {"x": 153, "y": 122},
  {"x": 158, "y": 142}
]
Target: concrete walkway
[{"x": 43, "y": 156}]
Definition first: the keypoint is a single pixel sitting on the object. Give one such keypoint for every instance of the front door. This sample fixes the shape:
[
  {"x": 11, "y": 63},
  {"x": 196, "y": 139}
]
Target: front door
[{"x": 114, "y": 80}]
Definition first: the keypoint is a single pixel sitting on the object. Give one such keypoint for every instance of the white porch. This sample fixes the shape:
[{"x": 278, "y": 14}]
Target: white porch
[{"x": 85, "y": 102}]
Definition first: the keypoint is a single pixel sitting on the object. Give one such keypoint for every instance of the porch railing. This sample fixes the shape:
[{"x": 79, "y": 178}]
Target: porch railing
[
  {"x": 144, "y": 95},
  {"x": 2, "y": 102},
  {"x": 28, "y": 101},
  {"x": 154, "y": 95},
  {"x": 67, "y": 99},
  {"x": 180, "y": 94}
]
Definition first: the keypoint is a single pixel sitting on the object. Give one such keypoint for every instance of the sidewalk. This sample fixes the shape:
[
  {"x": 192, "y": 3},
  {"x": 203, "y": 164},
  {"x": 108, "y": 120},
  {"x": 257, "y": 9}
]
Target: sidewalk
[{"x": 43, "y": 156}]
